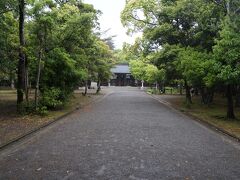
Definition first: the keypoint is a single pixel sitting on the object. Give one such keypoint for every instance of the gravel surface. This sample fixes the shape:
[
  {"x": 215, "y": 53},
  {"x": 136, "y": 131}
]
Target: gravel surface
[{"x": 127, "y": 135}]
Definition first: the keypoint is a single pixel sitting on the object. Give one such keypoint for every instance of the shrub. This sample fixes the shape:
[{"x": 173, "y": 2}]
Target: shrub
[
  {"x": 42, "y": 110},
  {"x": 51, "y": 98}
]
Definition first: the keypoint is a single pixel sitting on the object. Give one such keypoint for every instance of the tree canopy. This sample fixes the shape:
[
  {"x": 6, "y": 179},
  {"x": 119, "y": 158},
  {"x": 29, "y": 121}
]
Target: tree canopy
[
  {"x": 57, "y": 47},
  {"x": 194, "y": 41}
]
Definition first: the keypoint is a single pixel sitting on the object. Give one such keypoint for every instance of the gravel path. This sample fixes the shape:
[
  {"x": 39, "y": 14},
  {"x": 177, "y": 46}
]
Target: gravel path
[{"x": 127, "y": 135}]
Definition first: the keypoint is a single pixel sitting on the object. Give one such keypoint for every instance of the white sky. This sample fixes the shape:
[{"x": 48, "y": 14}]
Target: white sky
[{"x": 110, "y": 19}]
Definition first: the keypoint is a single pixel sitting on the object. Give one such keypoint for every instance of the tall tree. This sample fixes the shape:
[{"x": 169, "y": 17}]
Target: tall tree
[
  {"x": 183, "y": 23},
  {"x": 227, "y": 53},
  {"x": 22, "y": 56}
]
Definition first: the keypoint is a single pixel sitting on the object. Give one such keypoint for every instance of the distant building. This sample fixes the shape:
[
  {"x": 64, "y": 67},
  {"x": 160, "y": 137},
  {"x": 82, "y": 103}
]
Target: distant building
[{"x": 121, "y": 76}]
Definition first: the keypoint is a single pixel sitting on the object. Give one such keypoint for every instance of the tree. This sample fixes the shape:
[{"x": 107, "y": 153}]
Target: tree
[
  {"x": 179, "y": 23},
  {"x": 167, "y": 58},
  {"x": 129, "y": 52},
  {"x": 154, "y": 75},
  {"x": 9, "y": 47},
  {"x": 39, "y": 32},
  {"x": 56, "y": 46},
  {"x": 197, "y": 70},
  {"x": 60, "y": 64},
  {"x": 75, "y": 36},
  {"x": 138, "y": 69},
  {"x": 22, "y": 64},
  {"x": 104, "y": 62},
  {"x": 22, "y": 70},
  {"x": 227, "y": 54}
]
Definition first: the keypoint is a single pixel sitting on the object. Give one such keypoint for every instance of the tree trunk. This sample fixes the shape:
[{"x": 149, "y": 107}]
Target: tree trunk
[
  {"x": 89, "y": 84},
  {"x": 230, "y": 108},
  {"x": 196, "y": 93},
  {"x": 98, "y": 86},
  {"x": 181, "y": 89},
  {"x": 162, "y": 88},
  {"x": 26, "y": 81},
  {"x": 188, "y": 94},
  {"x": 38, "y": 79},
  {"x": 237, "y": 101},
  {"x": 211, "y": 96},
  {"x": 11, "y": 78},
  {"x": 86, "y": 88},
  {"x": 202, "y": 96},
  {"x": 21, "y": 63},
  {"x": 12, "y": 84},
  {"x": 207, "y": 95}
]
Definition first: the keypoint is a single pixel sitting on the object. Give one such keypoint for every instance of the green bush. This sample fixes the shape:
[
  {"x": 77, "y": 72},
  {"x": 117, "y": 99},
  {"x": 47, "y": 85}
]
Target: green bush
[
  {"x": 153, "y": 91},
  {"x": 42, "y": 110},
  {"x": 51, "y": 98},
  {"x": 26, "y": 108}
]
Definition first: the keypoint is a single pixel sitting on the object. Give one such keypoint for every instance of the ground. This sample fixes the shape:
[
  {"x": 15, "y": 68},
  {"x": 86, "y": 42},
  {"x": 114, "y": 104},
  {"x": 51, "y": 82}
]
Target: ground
[
  {"x": 213, "y": 114},
  {"x": 13, "y": 125},
  {"x": 126, "y": 135}
]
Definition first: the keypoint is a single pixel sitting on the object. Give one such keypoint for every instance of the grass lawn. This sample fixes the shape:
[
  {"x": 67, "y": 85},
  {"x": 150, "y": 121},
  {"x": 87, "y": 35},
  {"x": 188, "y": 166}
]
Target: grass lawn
[
  {"x": 214, "y": 114},
  {"x": 13, "y": 125}
]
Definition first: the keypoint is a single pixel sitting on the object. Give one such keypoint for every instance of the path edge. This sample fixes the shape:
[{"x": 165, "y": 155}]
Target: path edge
[
  {"x": 55, "y": 120},
  {"x": 197, "y": 119}
]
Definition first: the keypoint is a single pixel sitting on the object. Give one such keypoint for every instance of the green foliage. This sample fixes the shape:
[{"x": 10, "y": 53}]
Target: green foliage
[
  {"x": 104, "y": 61},
  {"x": 42, "y": 110},
  {"x": 185, "y": 22},
  {"x": 60, "y": 72},
  {"x": 192, "y": 40},
  {"x": 153, "y": 74},
  {"x": 180, "y": 36},
  {"x": 61, "y": 46},
  {"x": 25, "y": 108},
  {"x": 195, "y": 67},
  {"x": 137, "y": 69},
  {"x": 9, "y": 46},
  {"x": 50, "y": 99},
  {"x": 130, "y": 52},
  {"x": 153, "y": 91},
  {"x": 227, "y": 52},
  {"x": 167, "y": 58},
  {"x": 136, "y": 14},
  {"x": 147, "y": 72}
]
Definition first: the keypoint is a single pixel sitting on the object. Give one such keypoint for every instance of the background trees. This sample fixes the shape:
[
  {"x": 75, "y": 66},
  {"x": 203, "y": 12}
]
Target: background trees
[
  {"x": 9, "y": 47},
  {"x": 227, "y": 54},
  {"x": 57, "y": 47},
  {"x": 192, "y": 40}
]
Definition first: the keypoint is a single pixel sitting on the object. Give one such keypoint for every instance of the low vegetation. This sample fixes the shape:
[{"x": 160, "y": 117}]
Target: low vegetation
[{"x": 13, "y": 124}]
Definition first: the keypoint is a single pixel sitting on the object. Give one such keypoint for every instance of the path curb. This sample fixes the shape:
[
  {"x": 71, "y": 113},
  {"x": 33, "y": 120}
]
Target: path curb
[
  {"x": 19, "y": 138},
  {"x": 209, "y": 125}
]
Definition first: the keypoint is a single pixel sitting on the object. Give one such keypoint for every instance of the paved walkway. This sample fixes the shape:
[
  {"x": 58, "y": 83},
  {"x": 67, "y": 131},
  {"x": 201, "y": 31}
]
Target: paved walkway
[{"x": 127, "y": 135}]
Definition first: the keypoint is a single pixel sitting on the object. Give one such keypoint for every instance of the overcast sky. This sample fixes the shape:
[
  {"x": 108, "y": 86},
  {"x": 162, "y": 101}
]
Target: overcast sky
[{"x": 110, "y": 19}]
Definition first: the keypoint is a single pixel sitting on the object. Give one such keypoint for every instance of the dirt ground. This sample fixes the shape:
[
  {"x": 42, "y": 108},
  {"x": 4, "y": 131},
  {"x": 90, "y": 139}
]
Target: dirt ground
[
  {"x": 214, "y": 114},
  {"x": 13, "y": 125}
]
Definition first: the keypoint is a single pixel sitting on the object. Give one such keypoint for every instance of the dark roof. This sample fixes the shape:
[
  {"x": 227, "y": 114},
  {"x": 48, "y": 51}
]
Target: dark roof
[{"x": 121, "y": 68}]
